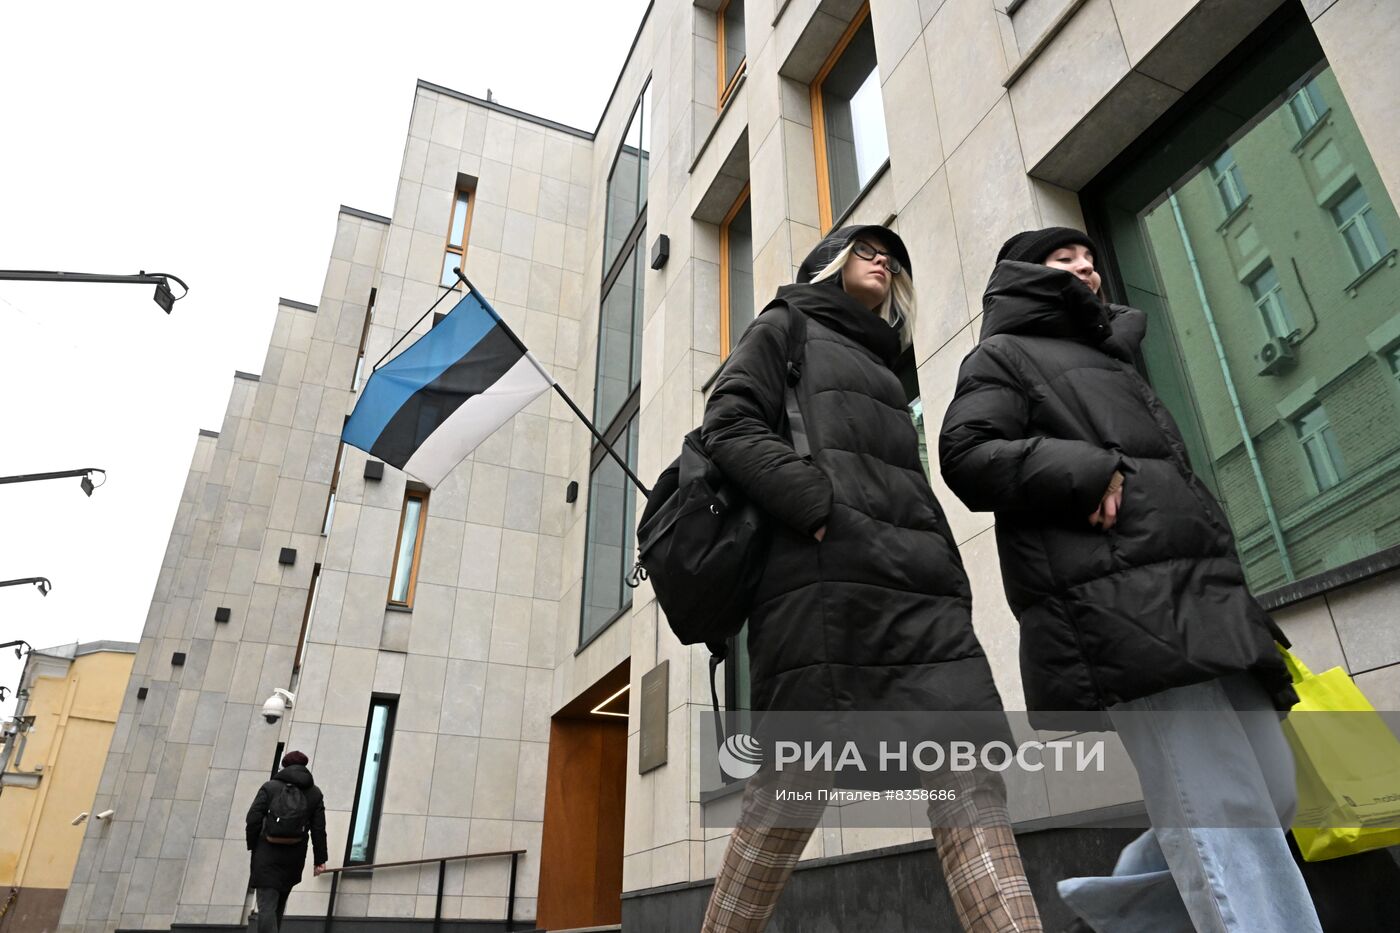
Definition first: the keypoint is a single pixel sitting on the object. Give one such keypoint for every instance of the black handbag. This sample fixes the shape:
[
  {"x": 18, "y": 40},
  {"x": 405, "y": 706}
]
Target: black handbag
[{"x": 701, "y": 541}]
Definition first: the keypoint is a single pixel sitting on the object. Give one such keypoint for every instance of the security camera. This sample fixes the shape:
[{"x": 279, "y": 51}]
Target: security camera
[
  {"x": 106, "y": 814},
  {"x": 80, "y": 818},
  {"x": 276, "y": 705}
]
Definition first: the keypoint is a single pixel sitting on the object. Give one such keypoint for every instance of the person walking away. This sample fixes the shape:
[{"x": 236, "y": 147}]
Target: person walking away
[
  {"x": 864, "y": 604},
  {"x": 1122, "y": 570},
  {"x": 287, "y": 812}
]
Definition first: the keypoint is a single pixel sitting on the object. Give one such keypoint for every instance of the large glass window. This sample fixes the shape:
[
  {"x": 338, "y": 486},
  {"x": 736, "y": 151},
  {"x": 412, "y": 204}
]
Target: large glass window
[
  {"x": 611, "y": 532},
  {"x": 1360, "y": 228},
  {"x": 730, "y": 21},
  {"x": 1294, "y": 426},
  {"x": 455, "y": 253},
  {"x": 409, "y": 548},
  {"x": 620, "y": 339},
  {"x": 612, "y": 522},
  {"x": 736, "y": 273},
  {"x": 627, "y": 182},
  {"x": 848, "y": 120},
  {"x": 369, "y": 789}
]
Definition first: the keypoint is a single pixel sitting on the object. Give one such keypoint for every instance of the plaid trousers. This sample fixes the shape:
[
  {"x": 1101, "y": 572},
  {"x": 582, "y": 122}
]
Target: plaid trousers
[{"x": 981, "y": 862}]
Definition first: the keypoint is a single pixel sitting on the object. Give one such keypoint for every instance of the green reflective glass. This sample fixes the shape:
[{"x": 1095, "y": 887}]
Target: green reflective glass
[{"x": 1269, "y": 325}]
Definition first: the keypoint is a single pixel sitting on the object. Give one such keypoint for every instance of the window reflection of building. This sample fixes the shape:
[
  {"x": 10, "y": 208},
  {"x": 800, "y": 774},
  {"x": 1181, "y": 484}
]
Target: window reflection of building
[{"x": 1272, "y": 329}]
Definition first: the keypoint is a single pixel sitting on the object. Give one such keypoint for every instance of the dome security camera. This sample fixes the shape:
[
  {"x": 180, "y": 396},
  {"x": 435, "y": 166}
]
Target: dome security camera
[{"x": 276, "y": 705}]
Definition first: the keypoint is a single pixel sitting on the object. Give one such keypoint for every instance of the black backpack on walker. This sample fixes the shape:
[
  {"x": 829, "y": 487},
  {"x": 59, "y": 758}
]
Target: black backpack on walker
[{"x": 700, "y": 540}]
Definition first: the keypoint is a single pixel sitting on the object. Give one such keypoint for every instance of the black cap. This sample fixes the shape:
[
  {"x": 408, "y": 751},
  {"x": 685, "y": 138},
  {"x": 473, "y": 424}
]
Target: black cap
[
  {"x": 835, "y": 241},
  {"x": 1035, "y": 245}
]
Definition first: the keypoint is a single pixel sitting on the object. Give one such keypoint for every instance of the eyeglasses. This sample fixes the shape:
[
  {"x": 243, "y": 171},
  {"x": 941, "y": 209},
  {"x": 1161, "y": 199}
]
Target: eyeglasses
[{"x": 867, "y": 252}]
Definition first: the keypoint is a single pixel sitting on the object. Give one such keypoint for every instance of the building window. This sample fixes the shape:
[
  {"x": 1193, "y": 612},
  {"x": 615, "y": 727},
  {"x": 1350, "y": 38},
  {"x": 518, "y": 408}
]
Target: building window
[
  {"x": 409, "y": 548},
  {"x": 1228, "y": 181},
  {"x": 1307, "y": 106},
  {"x": 1268, "y": 299},
  {"x": 731, "y": 47},
  {"x": 1320, "y": 447},
  {"x": 335, "y": 485},
  {"x": 369, "y": 789},
  {"x": 306, "y": 615},
  {"x": 1392, "y": 359},
  {"x": 619, "y": 340},
  {"x": 358, "y": 380},
  {"x": 848, "y": 120},
  {"x": 1259, "y": 444},
  {"x": 610, "y": 537},
  {"x": 1359, "y": 228},
  {"x": 735, "y": 273},
  {"x": 627, "y": 182},
  {"x": 456, "y": 252}
]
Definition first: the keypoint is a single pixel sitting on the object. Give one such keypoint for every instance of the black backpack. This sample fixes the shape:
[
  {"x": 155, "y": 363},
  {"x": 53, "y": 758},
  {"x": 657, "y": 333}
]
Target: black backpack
[
  {"x": 288, "y": 817},
  {"x": 702, "y": 543}
]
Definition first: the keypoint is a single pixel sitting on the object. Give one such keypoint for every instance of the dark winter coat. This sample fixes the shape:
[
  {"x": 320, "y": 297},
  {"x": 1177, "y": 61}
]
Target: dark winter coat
[
  {"x": 281, "y": 866},
  {"x": 1047, "y": 407},
  {"x": 877, "y": 616}
]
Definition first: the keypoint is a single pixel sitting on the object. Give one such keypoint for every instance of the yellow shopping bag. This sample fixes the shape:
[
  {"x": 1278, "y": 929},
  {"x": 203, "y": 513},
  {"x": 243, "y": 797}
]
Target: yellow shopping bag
[{"x": 1348, "y": 765}]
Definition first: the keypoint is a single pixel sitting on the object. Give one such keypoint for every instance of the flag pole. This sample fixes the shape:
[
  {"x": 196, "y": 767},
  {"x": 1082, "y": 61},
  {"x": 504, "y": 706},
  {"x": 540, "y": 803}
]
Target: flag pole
[
  {"x": 557, "y": 387},
  {"x": 447, "y": 290}
]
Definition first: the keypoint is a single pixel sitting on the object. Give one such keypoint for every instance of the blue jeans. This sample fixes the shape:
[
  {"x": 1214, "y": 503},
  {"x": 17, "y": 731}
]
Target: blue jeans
[{"x": 1218, "y": 786}]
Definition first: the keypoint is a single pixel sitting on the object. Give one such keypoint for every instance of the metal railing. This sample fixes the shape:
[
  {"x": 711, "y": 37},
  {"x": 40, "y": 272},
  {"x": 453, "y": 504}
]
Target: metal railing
[{"x": 514, "y": 854}]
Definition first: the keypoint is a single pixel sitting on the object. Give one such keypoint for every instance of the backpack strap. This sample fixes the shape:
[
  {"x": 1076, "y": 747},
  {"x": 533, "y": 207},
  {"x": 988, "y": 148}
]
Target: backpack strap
[{"x": 797, "y": 345}]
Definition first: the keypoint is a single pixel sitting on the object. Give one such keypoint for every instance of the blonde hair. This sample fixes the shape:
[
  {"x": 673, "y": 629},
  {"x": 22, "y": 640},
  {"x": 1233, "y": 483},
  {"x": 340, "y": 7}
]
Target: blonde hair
[{"x": 897, "y": 310}]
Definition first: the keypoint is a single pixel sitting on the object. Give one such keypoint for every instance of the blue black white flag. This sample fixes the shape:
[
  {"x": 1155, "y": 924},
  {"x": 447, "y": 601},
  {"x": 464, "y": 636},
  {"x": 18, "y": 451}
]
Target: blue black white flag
[{"x": 431, "y": 405}]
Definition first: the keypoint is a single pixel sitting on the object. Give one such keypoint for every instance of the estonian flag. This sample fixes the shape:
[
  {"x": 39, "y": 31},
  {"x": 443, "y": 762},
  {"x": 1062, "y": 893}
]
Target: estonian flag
[{"x": 431, "y": 405}]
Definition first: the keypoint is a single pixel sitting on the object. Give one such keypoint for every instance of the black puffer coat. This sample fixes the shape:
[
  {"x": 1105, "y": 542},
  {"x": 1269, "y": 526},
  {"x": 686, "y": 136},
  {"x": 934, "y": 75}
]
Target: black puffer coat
[
  {"x": 281, "y": 866},
  {"x": 1048, "y": 405},
  {"x": 877, "y": 615}
]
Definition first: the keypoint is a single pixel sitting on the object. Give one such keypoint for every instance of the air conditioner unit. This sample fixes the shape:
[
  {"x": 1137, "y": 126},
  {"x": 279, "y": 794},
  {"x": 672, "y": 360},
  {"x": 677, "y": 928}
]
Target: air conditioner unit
[{"x": 1276, "y": 356}]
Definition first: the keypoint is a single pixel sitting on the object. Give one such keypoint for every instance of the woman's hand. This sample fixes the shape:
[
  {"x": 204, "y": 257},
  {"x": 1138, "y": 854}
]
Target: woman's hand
[
  {"x": 1106, "y": 515},
  {"x": 820, "y": 533}
]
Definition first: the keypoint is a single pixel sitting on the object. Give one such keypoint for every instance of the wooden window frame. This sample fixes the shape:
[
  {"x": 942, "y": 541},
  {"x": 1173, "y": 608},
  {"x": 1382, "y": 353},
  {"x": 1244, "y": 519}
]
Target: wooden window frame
[
  {"x": 819, "y": 115},
  {"x": 335, "y": 487},
  {"x": 311, "y": 592},
  {"x": 725, "y": 337},
  {"x": 725, "y": 89},
  {"x": 355, "y": 381},
  {"x": 448, "y": 248},
  {"x": 413, "y": 492}
]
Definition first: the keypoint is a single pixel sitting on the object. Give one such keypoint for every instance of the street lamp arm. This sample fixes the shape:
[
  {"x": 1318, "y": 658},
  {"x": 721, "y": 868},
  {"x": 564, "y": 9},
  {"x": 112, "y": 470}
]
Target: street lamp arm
[
  {"x": 41, "y": 582},
  {"x": 161, "y": 280},
  {"x": 60, "y": 474}
]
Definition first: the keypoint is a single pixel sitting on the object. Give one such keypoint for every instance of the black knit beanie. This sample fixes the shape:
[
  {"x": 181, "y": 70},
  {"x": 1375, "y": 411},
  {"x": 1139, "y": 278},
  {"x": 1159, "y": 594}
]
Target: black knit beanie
[{"x": 1035, "y": 245}]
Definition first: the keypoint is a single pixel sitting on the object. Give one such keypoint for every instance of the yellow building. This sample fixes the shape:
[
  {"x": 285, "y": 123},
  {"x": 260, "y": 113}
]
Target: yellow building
[{"x": 50, "y": 765}]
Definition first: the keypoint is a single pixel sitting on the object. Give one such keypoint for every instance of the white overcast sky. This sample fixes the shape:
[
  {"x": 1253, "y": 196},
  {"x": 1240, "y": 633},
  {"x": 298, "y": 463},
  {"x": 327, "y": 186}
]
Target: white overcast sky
[{"x": 214, "y": 142}]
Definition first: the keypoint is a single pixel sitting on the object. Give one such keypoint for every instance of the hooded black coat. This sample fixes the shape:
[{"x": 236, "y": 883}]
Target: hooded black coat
[
  {"x": 1048, "y": 405},
  {"x": 876, "y": 616},
  {"x": 281, "y": 866}
]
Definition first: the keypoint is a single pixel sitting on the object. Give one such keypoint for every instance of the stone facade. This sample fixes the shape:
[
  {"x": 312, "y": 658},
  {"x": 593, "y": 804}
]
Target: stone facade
[{"x": 995, "y": 120}]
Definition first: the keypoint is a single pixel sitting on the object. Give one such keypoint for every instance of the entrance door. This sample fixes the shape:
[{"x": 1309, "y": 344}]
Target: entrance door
[{"x": 585, "y": 800}]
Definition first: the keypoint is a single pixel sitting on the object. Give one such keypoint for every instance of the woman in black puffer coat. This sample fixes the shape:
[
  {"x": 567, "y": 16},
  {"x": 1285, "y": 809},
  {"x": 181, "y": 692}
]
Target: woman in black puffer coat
[
  {"x": 1122, "y": 571},
  {"x": 864, "y": 604}
]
